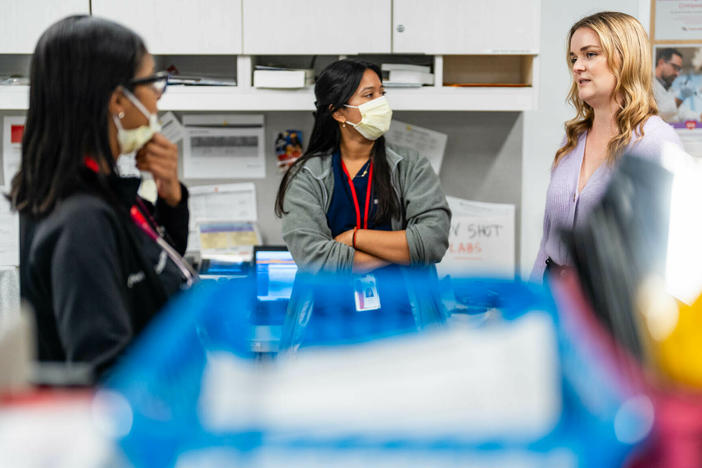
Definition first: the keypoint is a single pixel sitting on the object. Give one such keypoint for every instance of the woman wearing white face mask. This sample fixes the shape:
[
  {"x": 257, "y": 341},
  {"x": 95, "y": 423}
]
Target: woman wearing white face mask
[
  {"x": 352, "y": 203},
  {"x": 96, "y": 261}
]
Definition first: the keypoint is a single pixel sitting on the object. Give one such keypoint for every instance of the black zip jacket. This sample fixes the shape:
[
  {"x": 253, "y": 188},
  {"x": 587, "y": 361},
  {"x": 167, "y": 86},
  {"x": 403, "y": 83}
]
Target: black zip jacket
[{"x": 93, "y": 278}]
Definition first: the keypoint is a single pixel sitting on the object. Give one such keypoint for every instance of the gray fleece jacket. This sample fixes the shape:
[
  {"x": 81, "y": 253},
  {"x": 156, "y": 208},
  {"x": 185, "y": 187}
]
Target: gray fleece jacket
[
  {"x": 425, "y": 217},
  {"x": 425, "y": 213}
]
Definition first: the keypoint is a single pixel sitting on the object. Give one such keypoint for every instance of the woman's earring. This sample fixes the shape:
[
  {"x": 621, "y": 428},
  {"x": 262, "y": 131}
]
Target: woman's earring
[
  {"x": 121, "y": 115},
  {"x": 343, "y": 124}
]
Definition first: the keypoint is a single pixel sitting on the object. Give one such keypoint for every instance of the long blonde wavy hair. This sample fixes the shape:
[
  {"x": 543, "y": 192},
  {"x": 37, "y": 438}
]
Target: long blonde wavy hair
[{"x": 625, "y": 44}]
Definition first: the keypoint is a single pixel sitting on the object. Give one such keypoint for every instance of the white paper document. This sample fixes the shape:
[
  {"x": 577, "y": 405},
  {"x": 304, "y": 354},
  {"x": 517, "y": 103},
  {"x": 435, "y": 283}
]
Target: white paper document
[
  {"x": 13, "y": 129},
  {"x": 224, "y": 147},
  {"x": 9, "y": 233},
  {"x": 228, "y": 241},
  {"x": 428, "y": 143},
  {"x": 171, "y": 128},
  {"x": 481, "y": 240},
  {"x": 228, "y": 202}
]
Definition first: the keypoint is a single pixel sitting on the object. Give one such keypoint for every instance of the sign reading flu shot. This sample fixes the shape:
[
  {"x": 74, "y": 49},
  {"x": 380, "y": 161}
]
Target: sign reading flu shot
[{"x": 481, "y": 240}]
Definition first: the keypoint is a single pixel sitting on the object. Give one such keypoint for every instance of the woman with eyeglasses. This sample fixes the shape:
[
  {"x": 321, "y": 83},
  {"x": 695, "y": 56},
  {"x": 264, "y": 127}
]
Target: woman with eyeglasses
[
  {"x": 352, "y": 204},
  {"x": 97, "y": 261}
]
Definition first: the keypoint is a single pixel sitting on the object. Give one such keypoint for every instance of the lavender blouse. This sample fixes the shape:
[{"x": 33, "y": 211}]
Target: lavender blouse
[{"x": 565, "y": 208}]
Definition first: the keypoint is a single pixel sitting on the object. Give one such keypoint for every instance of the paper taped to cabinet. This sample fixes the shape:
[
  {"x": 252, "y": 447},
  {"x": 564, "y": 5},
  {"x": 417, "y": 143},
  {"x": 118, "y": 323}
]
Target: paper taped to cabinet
[
  {"x": 224, "y": 147},
  {"x": 481, "y": 240},
  {"x": 226, "y": 202},
  {"x": 13, "y": 130},
  {"x": 9, "y": 233},
  {"x": 429, "y": 143}
]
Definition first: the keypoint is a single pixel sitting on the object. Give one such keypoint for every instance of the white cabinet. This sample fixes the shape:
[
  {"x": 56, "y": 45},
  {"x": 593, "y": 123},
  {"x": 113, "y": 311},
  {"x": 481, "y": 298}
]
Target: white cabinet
[
  {"x": 460, "y": 34},
  {"x": 466, "y": 26},
  {"x": 22, "y": 22},
  {"x": 179, "y": 26},
  {"x": 316, "y": 27}
]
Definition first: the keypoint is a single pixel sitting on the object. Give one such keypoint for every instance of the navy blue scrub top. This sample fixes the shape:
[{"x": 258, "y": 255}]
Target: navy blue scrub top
[
  {"x": 341, "y": 215},
  {"x": 395, "y": 312}
]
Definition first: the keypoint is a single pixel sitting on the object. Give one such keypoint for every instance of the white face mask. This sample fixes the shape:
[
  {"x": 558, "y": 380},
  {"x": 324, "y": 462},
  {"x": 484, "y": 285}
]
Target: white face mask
[
  {"x": 131, "y": 140},
  {"x": 375, "y": 118}
]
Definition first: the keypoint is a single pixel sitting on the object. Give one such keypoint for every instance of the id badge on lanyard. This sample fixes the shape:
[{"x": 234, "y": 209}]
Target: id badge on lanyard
[
  {"x": 365, "y": 287},
  {"x": 365, "y": 293}
]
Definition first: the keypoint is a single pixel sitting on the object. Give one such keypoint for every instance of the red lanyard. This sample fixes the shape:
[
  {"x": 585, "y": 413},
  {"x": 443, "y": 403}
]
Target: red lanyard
[
  {"x": 141, "y": 222},
  {"x": 138, "y": 217},
  {"x": 188, "y": 273},
  {"x": 355, "y": 197}
]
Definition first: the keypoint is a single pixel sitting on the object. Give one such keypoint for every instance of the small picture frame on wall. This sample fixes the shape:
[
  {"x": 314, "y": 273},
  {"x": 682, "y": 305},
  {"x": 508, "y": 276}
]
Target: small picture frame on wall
[
  {"x": 676, "y": 21},
  {"x": 676, "y": 37}
]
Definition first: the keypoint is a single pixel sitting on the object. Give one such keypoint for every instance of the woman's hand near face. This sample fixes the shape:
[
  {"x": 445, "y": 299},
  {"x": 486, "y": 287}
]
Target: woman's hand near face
[{"x": 160, "y": 157}]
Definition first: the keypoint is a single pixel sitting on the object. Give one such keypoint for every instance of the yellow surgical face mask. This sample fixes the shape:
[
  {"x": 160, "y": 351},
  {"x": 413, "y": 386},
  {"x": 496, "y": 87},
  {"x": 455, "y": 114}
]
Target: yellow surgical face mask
[
  {"x": 131, "y": 140},
  {"x": 375, "y": 118}
]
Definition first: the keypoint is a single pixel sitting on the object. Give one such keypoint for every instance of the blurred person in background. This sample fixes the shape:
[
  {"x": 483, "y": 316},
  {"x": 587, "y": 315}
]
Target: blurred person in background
[
  {"x": 610, "y": 59},
  {"x": 352, "y": 204},
  {"x": 669, "y": 62},
  {"x": 96, "y": 261}
]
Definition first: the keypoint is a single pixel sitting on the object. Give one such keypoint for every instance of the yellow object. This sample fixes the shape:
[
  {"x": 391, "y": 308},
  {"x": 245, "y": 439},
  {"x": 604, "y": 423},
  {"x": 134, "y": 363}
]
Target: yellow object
[{"x": 674, "y": 332}]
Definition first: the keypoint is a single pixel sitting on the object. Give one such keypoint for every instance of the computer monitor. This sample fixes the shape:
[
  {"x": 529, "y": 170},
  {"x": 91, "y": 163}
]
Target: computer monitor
[{"x": 275, "y": 272}]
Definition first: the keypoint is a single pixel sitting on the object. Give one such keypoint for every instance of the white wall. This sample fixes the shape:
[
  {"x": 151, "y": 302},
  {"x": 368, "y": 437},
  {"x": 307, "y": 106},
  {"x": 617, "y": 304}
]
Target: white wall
[{"x": 543, "y": 128}]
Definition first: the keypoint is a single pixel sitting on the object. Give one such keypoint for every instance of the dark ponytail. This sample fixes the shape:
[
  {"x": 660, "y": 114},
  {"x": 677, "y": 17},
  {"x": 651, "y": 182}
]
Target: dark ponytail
[{"x": 335, "y": 86}]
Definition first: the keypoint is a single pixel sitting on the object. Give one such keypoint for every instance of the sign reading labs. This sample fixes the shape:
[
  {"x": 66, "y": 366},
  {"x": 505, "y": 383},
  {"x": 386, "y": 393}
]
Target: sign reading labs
[{"x": 481, "y": 240}]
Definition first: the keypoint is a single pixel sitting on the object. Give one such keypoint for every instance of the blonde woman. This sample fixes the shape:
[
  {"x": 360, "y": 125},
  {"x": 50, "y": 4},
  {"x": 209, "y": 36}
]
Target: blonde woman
[{"x": 610, "y": 59}]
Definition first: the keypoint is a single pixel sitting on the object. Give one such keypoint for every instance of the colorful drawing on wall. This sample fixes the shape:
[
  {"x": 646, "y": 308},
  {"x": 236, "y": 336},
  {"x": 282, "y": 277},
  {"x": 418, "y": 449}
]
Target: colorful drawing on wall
[{"x": 288, "y": 148}]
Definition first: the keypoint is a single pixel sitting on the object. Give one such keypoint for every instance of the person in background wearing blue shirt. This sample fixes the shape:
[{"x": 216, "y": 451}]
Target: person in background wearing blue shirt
[{"x": 352, "y": 204}]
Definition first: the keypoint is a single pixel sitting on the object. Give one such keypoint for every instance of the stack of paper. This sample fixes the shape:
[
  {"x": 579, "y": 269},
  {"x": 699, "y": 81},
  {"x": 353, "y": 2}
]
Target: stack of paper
[
  {"x": 274, "y": 77},
  {"x": 191, "y": 80},
  {"x": 402, "y": 75}
]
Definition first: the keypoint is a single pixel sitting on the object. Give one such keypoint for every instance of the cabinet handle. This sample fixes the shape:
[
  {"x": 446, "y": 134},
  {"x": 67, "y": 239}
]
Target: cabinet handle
[{"x": 400, "y": 28}]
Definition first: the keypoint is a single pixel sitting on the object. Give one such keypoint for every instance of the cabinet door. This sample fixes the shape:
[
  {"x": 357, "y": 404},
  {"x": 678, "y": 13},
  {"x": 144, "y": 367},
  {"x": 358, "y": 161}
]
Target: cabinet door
[
  {"x": 466, "y": 26},
  {"x": 325, "y": 27},
  {"x": 179, "y": 26},
  {"x": 23, "y": 21}
]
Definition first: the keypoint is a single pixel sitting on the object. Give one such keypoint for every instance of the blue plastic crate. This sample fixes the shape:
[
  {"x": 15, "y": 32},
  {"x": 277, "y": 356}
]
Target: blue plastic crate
[{"x": 161, "y": 377}]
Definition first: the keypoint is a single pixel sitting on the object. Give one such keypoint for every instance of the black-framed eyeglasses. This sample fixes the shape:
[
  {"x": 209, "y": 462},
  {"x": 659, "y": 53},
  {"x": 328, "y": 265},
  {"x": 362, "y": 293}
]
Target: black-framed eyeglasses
[
  {"x": 675, "y": 66},
  {"x": 158, "y": 81}
]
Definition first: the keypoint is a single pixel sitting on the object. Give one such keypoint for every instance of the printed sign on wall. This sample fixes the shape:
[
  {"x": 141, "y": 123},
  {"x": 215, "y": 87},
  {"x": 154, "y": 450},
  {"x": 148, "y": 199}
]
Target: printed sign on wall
[{"x": 481, "y": 240}]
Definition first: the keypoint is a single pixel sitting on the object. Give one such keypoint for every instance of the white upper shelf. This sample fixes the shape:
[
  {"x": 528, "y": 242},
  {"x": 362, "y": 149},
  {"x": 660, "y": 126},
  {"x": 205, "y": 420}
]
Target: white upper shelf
[{"x": 427, "y": 98}]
